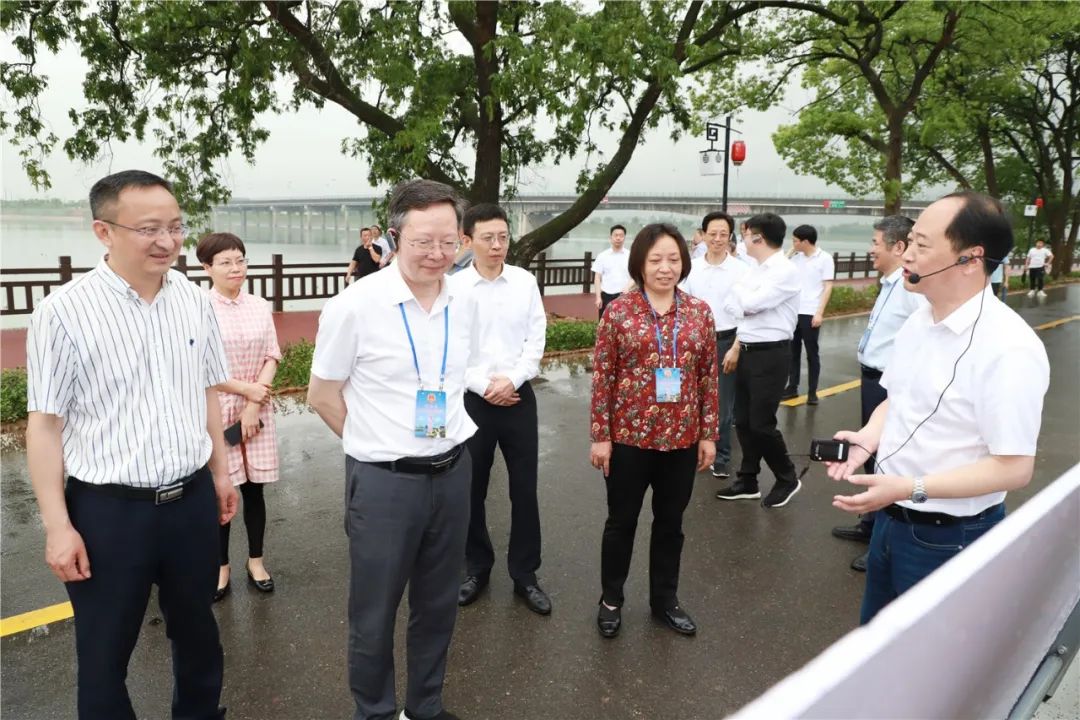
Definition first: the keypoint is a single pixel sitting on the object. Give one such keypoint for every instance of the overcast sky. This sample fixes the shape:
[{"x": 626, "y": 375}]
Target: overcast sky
[{"x": 302, "y": 156}]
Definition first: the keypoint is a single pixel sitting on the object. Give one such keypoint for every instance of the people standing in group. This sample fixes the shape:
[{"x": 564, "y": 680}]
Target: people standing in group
[
  {"x": 765, "y": 304},
  {"x": 741, "y": 242},
  {"x": 367, "y": 258},
  {"x": 959, "y": 428},
  {"x": 500, "y": 400},
  {"x": 121, "y": 364},
  {"x": 1038, "y": 258},
  {"x": 816, "y": 272},
  {"x": 698, "y": 247},
  {"x": 654, "y": 415},
  {"x": 894, "y": 304},
  {"x": 388, "y": 377},
  {"x": 611, "y": 276},
  {"x": 711, "y": 278},
  {"x": 251, "y": 349},
  {"x": 999, "y": 281},
  {"x": 386, "y": 245}
]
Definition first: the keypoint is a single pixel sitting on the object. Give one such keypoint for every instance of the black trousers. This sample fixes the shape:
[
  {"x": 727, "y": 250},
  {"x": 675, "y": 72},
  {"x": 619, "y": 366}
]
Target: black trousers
[
  {"x": 606, "y": 298},
  {"x": 1037, "y": 277},
  {"x": 132, "y": 545},
  {"x": 759, "y": 383},
  {"x": 631, "y": 472},
  {"x": 514, "y": 430},
  {"x": 871, "y": 394},
  {"x": 254, "y": 522},
  {"x": 805, "y": 334}
]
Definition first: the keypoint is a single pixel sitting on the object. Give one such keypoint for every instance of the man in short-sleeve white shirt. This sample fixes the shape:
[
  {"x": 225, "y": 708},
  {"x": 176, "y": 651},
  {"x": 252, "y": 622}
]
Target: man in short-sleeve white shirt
[
  {"x": 965, "y": 384},
  {"x": 1038, "y": 258},
  {"x": 816, "y": 273},
  {"x": 389, "y": 377},
  {"x": 611, "y": 270}
]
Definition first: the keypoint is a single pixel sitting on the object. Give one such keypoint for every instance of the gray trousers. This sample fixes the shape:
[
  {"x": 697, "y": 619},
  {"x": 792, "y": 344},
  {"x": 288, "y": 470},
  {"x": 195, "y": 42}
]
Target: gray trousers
[
  {"x": 403, "y": 529},
  {"x": 727, "y": 401}
]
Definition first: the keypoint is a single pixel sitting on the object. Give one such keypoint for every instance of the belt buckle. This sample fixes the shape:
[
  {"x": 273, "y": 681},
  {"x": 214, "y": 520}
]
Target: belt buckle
[
  {"x": 443, "y": 464},
  {"x": 169, "y": 493}
]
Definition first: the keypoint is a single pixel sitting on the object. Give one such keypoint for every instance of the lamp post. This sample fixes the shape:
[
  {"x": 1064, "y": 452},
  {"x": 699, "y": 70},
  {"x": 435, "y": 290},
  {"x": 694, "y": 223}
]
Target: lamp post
[{"x": 732, "y": 152}]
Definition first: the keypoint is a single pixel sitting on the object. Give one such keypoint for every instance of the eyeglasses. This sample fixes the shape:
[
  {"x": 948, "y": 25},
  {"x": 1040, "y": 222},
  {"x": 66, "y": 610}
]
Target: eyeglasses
[
  {"x": 239, "y": 262},
  {"x": 153, "y": 231},
  {"x": 491, "y": 238},
  {"x": 755, "y": 238},
  {"x": 446, "y": 247}
]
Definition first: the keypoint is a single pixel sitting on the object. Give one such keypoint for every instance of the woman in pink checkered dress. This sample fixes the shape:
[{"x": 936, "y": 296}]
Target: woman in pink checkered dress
[{"x": 247, "y": 330}]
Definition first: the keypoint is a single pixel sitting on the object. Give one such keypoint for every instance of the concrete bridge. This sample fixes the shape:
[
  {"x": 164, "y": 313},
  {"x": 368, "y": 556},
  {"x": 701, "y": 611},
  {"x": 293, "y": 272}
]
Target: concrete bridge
[{"x": 300, "y": 220}]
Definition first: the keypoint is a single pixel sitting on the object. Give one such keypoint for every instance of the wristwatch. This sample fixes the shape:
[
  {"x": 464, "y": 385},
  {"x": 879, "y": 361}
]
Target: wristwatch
[{"x": 918, "y": 493}]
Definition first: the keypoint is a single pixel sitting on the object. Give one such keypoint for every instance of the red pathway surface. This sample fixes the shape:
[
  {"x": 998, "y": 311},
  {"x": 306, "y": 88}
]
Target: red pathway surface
[{"x": 301, "y": 325}]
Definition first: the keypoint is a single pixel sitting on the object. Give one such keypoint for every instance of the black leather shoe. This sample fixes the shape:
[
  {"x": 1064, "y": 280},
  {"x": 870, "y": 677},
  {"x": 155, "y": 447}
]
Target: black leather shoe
[
  {"x": 444, "y": 715},
  {"x": 470, "y": 590},
  {"x": 536, "y": 599},
  {"x": 812, "y": 399},
  {"x": 677, "y": 619},
  {"x": 859, "y": 563},
  {"x": 266, "y": 586},
  {"x": 221, "y": 592},
  {"x": 790, "y": 394},
  {"x": 609, "y": 621},
  {"x": 858, "y": 532}
]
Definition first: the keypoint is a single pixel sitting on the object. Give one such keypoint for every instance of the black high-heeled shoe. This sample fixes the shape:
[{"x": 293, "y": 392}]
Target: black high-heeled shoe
[
  {"x": 266, "y": 586},
  {"x": 221, "y": 592}
]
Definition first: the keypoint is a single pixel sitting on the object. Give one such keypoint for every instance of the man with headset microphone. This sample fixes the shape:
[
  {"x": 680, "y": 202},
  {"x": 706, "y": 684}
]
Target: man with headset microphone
[{"x": 965, "y": 386}]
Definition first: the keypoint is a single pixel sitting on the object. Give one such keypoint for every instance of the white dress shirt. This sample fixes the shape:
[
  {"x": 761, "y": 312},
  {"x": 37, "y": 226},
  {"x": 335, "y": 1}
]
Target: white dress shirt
[
  {"x": 614, "y": 269},
  {"x": 993, "y": 407},
  {"x": 699, "y": 251},
  {"x": 742, "y": 255},
  {"x": 814, "y": 271},
  {"x": 1037, "y": 258},
  {"x": 712, "y": 283},
  {"x": 893, "y": 306},
  {"x": 765, "y": 301},
  {"x": 128, "y": 377},
  {"x": 513, "y": 325},
  {"x": 362, "y": 340}
]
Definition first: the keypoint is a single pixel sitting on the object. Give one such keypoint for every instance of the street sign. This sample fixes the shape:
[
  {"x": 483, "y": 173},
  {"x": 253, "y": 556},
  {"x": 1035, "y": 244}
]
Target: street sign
[
  {"x": 837, "y": 204},
  {"x": 1031, "y": 210}
]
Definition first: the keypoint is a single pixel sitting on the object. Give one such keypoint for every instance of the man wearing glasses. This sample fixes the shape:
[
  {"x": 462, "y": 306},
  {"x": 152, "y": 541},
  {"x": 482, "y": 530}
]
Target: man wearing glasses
[
  {"x": 391, "y": 385},
  {"x": 501, "y": 402},
  {"x": 121, "y": 365}
]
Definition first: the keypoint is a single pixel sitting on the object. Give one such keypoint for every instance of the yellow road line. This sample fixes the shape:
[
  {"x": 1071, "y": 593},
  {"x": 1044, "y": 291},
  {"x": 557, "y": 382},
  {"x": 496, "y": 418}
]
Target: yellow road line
[
  {"x": 834, "y": 390},
  {"x": 34, "y": 618},
  {"x": 62, "y": 611}
]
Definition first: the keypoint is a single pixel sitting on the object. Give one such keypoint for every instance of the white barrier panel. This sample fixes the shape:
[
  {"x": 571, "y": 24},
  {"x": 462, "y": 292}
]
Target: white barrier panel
[{"x": 965, "y": 641}]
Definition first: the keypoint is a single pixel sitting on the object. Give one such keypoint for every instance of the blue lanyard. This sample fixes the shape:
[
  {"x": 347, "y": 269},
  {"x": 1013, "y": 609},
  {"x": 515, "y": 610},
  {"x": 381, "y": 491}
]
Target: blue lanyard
[
  {"x": 874, "y": 318},
  {"x": 660, "y": 337},
  {"x": 446, "y": 344}
]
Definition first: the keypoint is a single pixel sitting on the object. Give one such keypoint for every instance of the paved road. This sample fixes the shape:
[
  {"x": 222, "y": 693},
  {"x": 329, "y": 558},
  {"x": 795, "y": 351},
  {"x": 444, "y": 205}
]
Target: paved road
[{"x": 770, "y": 589}]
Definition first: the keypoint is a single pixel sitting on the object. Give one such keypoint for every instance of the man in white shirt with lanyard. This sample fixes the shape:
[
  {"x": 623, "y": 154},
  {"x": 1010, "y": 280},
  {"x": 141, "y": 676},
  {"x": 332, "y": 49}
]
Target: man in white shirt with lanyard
[
  {"x": 893, "y": 306},
  {"x": 611, "y": 270},
  {"x": 711, "y": 278},
  {"x": 121, "y": 365},
  {"x": 391, "y": 384},
  {"x": 501, "y": 402},
  {"x": 1038, "y": 258},
  {"x": 765, "y": 304},
  {"x": 816, "y": 271},
  {"x": 959, "y": 429}
]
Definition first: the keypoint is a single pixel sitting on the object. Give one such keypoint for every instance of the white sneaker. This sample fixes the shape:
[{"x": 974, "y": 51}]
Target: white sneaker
[
  {"x": 1042, "y": 293},
  {"x": 1031, "y": 293}
]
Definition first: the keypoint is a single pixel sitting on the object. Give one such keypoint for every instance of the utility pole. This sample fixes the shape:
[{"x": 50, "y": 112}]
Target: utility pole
[{"x": 707, "y": 167}]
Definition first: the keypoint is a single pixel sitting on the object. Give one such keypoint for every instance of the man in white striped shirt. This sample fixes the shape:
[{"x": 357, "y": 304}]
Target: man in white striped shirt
[{"x": 121, "y": 364}]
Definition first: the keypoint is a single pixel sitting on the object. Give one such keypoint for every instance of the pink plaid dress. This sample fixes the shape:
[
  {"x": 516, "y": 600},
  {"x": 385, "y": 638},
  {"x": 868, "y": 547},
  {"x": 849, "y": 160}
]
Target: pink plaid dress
[{"x": 247, "y": 330}]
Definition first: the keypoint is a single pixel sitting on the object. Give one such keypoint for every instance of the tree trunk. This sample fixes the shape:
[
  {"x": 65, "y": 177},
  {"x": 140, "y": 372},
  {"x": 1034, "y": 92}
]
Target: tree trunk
[
  {"x": 989, "y": 169},
  {"x": 487, "y": 172},
  {"x": 892, "y": 185}
]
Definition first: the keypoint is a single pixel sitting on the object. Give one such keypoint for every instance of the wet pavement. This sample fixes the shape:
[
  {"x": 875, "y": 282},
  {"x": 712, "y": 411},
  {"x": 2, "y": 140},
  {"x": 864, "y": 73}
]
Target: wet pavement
[{"x": 769, "y": 589}]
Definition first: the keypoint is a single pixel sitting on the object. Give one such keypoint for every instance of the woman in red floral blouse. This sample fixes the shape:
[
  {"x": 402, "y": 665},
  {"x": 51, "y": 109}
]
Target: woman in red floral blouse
[{"x": 654, "y": 419}]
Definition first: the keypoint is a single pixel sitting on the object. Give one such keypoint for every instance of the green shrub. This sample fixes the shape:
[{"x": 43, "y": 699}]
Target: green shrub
[
  {"x": 294, "y": 370},
  {"x": 846, "y": 299},
  {"x": 12, "y": 395},
  {"x": 570, "y": 335}
]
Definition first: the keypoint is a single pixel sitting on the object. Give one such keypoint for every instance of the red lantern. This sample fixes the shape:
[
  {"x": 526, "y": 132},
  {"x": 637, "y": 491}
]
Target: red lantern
[
  {"x": 738, "y": 152},
  {"x": 1038, "y": 202}
]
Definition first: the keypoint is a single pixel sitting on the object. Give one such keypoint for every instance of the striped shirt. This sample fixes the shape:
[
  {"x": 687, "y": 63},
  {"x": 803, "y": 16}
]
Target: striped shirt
[{"x": 128, "y": 377}]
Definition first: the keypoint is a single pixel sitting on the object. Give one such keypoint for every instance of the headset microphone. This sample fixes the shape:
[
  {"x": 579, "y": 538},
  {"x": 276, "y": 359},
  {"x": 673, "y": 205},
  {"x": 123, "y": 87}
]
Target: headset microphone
[{"x": 914, "y": 278}]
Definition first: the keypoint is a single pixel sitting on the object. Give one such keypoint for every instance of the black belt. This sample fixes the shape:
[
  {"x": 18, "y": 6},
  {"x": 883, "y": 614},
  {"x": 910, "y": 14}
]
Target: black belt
[
  {"x": 765, "y": 345},
  {"x": 434, "y": 465},
  {"x": 160, "y": 495},
  {"x": 919, "y": 517},
  {"x": 871, "y": 372},
  {"x": 725, "y": 334}
]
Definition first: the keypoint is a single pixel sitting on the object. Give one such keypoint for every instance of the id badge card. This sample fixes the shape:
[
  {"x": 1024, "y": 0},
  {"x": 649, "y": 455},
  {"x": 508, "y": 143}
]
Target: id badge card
[
  {"x": 668, "y": 385},
  {"x": 430, "y": 414}
]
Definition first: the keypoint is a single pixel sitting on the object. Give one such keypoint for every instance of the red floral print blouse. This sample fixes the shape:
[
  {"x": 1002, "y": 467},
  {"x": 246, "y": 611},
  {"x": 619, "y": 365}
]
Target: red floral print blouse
[{"x": 624, "y": 407}]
